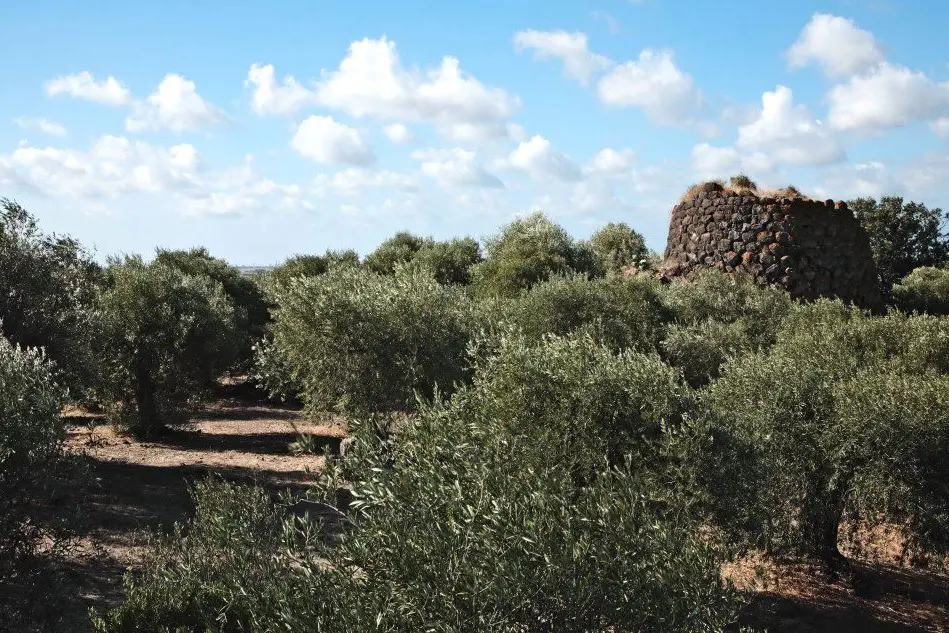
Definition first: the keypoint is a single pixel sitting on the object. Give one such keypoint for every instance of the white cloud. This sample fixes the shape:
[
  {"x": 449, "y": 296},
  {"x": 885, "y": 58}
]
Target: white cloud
[
  {"x": 371, "y": 82},
  {"x": 43, "y": 125},
  {"x": 788, "y": 133},
  {"x": 595, "y": 195},
  {"x": 175, "y": 105},
  {"x": 537, "y": 157},
  {"x": 835, "y": 44},
  {"x": 579, "y": 62},
  {"x": 269, "y": 97},
  {"x": 115, "y": 166},
  {"x": 398, "y": 133},
  {"x": 84, "y": 85},
  {"x": 611, "y": 161},
  {"x": 888, "y": 96},
  {"x": 353, "y": 180},
  {"x": 842, "y": 182},
  {"x": 721, "y": 162},
  {"x": 656, "y": 85},
  {"x": 324, "y": 140},
  {"x": 941, "y": 127},
  {"x": 455, "y": 167}
]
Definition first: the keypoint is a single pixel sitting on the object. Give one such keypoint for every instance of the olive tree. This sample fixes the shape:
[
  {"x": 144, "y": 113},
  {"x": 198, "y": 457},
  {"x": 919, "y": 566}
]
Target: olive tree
[
  {"x": 528, "y": 251},
  {"x": 48, "y": 285},
  {"x": 167, "y": 335},
  {"x": 618, "y": 247},
  {"x": 926, "y": 289},
  {"x": 845, "y": 417}
]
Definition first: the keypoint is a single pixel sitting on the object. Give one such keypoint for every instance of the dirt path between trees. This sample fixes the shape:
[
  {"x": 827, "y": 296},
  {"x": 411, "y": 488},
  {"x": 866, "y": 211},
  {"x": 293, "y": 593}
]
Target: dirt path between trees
[{"x": 144, "y": 485}]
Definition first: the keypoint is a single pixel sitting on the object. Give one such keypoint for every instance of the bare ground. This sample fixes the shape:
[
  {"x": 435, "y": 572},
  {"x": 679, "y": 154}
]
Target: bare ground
[{"x": 144, "y": 485}]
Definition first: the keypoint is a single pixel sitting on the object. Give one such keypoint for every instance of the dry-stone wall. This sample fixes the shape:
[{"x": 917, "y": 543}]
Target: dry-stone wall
[{"x": 810, "y": 248}]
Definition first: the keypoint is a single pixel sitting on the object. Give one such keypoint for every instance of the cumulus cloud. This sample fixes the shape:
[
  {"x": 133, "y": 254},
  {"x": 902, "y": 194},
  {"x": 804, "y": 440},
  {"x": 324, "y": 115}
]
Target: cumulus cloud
[
  {"x": 43, "y": 125},
  {"x": 455, "y": 167},
  {"x": 837, "y": 45},
  {"x": 84, "y": 85},
  {"x": 398, "y": 133},
  {"x": 656, "y": 85},
  {"x": 610, "y": 161},
  {"x": 537, "y": 157},
  {"x": 788, "y": 133},
  {"x": 175, "y": 105},
  {"x": 571, "y": 49},
  {"x": 353, "y": 180},
  {"x": 886, "y": 97},
  {"x": 324, "y": 140},
  {"x": 270, "y": 97},
  {"x": 372, "y": 82},
  {"x": 719, "y": 162}
]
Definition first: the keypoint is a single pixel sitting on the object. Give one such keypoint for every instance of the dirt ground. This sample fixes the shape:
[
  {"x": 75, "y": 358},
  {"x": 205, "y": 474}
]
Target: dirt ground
[{"x": 144, "y": 485}]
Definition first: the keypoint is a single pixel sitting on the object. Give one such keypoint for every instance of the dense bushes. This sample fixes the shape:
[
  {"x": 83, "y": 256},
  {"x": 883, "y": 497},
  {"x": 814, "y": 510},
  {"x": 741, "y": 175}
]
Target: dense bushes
[
  {"x": 31, "y": 435},
  {"x": 356, "y": 340},
  {"x": 167, "y": 335},
  {"x": 845, "y": 416},
  {"x": 926, "y": 289},
  {"x": 618, "y": 247},
  {"x": 498, "y": 510},
  {"x": 309, "y": 266},
  {"x": 47, "y": 291},
  {"x": 527, "y": 251}
]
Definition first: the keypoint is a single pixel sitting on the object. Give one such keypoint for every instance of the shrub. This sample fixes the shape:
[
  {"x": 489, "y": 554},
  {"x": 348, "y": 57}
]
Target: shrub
[
  {"x": 47, "y": 293},
  {"x": 356, "y": 340},
  {"x": 741, "y": 181},
  {"x": 398, "y": 249},
  {"x": 903, "y": 237},
  {"x": 716, "y": 316},
  {"x": 470, "y": 520},
  {"x": 618, "y": 247},
  {"x": 527, "y": 251},
  {"x": 926, "y": 289},
  {"x": 250, "y": 305},
  {"x": 449, "y": 262},
  {"x": 845, "y": 416},
  {"x": 310, "y": 265},
  {"x": 167, "y": 336},
  {"x": 622, "y": 312},
  {"x": 31, "y": 435}
]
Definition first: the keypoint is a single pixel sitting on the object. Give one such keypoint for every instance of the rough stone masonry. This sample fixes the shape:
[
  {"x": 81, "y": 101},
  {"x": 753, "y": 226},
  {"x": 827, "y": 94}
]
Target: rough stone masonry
[{"x": 810, "y": 248}]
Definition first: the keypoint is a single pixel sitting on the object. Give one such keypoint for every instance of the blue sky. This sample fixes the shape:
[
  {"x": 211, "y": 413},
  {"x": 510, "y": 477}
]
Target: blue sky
[{"x": 262, "y": 130}]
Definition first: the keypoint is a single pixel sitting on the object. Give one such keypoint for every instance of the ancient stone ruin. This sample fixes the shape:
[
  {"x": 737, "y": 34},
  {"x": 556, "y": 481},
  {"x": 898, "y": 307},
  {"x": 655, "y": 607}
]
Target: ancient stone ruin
[{"x": 810, "y": 248}]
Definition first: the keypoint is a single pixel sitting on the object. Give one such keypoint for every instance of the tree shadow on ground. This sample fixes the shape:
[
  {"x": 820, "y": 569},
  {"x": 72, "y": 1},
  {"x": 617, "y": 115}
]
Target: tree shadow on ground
[
  {"x": 871, "y": 598},
  {"x": 259, "y": 443}
]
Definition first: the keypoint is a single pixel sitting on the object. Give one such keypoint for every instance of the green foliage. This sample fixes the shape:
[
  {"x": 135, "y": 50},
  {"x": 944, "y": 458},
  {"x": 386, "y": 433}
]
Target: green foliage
[
  {"x": 356, "y": 340},
  {"x": 398, "y": 249},
  {"x": 47, "y": 292},
  {"x": 250, "y": 305},
  {"x": 527, "y": 251},
  {"x": 232, "y": 569},
  {"x": 845, "y": 416},
  {"x": 311, "y": 265},
  {"x": 716, "y": 317},
  {"x": 473, "y": 518},
  {"x": 926, "y": 289},
  {"x": 449, "y": 262},
  {"x": 902, "y": 236},
  {"x": 167, "y": 335},
  {"x": 622, "y": 312},
  {"x": 617, "y": 246},
  {"x": 31, "y": 435},
  {"x": 741, "y": 181}
]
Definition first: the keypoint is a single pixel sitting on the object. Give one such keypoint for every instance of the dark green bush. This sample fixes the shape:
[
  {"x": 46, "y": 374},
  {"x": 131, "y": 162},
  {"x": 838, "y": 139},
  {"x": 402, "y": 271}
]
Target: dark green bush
[
  {"x": 166, "y": 336},
  {"x": 926, "y": 289},
  {"x": 845, "y": 416},
  {"x": 527, "y": 251},
  {"x": 622, "y": 312},
  {"x": 250, "y": 304},
  {"x": 473, "y": 519},
  {"x": 618, "y": 247},
  {"x": 356, "y": 340},
  {"x": 449, "y": 262},
  {"x": 47, "y": 293},
  {"x": 398, "y": 249},
  {"x": 309, "y": 266}
]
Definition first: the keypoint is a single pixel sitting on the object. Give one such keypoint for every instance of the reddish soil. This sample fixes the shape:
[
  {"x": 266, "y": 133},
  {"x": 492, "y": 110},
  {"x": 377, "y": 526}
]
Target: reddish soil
[{"x": 144, "y": 485}]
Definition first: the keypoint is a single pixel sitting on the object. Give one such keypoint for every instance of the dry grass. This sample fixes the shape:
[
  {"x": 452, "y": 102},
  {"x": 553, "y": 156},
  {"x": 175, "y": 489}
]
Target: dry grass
[{"x": 741, "y": 185}]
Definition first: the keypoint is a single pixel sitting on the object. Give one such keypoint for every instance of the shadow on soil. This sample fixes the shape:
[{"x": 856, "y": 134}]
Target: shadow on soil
[
  {"x": 259, "y": 443},
  {"x": 871, "y": 599}
]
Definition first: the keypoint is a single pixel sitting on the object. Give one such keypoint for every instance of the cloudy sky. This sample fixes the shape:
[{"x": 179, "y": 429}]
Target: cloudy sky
[{"x": 261, "y": 130}]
